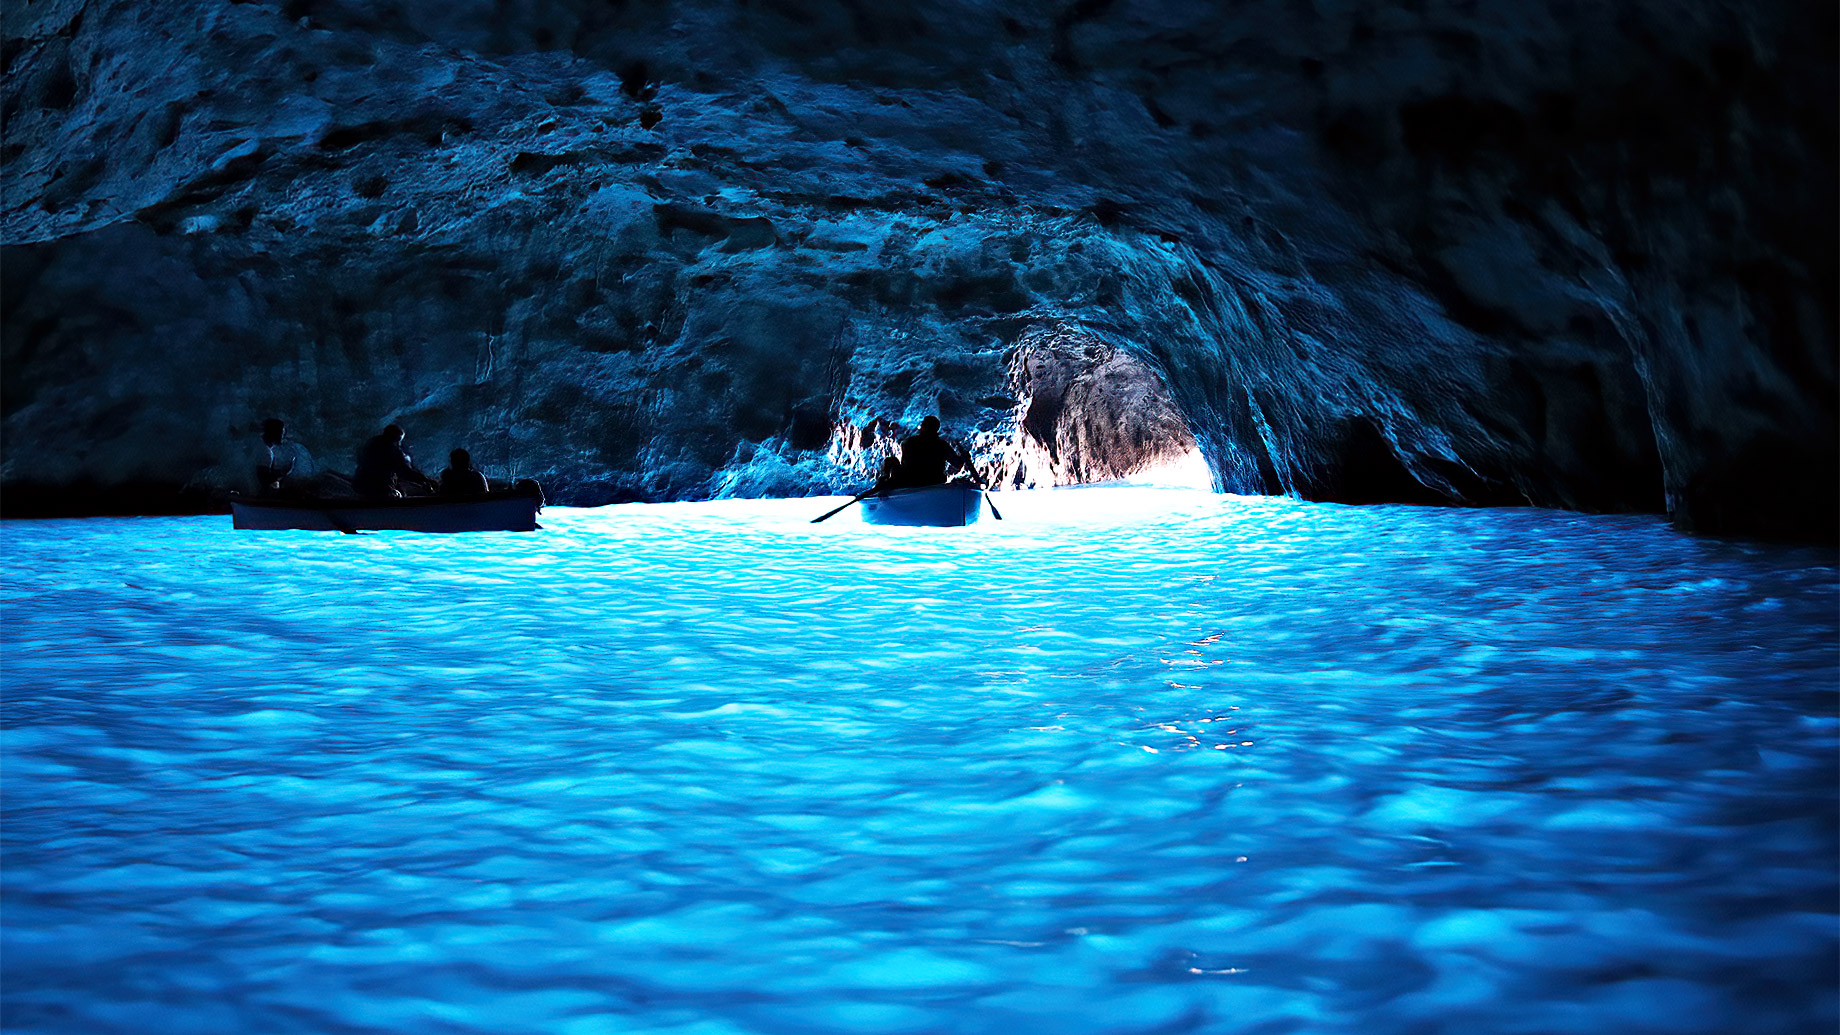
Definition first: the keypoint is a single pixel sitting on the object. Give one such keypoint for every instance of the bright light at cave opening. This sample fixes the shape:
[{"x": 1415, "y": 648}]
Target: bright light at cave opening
[
  {"x": 1151, "y": 493},
  {"x": 1188, "y": 471}
]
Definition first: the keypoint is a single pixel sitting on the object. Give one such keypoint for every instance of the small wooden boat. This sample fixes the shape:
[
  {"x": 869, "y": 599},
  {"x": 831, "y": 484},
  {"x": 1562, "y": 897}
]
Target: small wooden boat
[
  {"x": 494, "y": 512},
  {"x": 955, "y": 503}
]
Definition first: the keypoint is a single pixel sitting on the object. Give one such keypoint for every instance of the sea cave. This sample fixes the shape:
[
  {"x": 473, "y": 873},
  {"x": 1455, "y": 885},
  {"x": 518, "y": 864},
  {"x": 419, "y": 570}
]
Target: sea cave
[{"x": 1391, "y": 586}]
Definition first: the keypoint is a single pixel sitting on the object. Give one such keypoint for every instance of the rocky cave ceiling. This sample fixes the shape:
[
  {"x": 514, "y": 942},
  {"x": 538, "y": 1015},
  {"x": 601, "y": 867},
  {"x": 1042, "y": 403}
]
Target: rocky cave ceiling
[{"x": 1554, "y": 252}]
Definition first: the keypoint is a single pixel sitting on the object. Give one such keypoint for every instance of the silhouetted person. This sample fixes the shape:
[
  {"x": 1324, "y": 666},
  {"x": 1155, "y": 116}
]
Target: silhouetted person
[
  {"x": 460, "y": 479},
  {"x": 382, "y": 463},
  {"x": 280, "y": 461},
  {"x": 925, "y": 459}
]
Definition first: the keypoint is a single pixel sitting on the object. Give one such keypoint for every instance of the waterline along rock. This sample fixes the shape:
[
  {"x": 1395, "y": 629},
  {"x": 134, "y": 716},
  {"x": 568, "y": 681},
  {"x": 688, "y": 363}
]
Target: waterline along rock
[{"x": 1540, "y": 252}]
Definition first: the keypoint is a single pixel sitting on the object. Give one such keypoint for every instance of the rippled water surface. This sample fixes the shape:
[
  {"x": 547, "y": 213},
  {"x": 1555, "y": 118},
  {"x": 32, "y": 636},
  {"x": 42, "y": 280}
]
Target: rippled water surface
[{"x": 1129, "y": 761}]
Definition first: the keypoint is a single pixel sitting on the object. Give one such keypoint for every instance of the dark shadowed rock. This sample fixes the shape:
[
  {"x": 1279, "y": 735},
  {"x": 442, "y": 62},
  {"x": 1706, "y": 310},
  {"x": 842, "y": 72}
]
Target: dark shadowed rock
[
  {"x": 1488, "y": 253},
  {"x": 1086, "y": 412}
]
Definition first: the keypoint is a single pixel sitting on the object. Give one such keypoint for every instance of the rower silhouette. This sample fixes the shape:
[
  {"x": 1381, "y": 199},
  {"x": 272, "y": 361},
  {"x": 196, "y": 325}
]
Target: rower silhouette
[
  {"x": 926, "y": 459},
  {"x": 460, "y": 479},
  {"x": 383, "y": 465},
  {"x": 282, "y": 466}
]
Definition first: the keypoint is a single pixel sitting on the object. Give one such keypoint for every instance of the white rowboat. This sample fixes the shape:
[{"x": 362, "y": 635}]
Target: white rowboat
[{"x": 955, "y": 503}]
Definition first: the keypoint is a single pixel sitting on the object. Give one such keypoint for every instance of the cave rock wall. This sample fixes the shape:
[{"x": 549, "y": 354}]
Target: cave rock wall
[{"x": 1549, "y": 252}]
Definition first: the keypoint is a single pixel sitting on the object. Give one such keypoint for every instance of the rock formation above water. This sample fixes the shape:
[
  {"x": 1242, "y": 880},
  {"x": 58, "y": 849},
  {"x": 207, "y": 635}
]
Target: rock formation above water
[{"x": 1554, "y": 252}]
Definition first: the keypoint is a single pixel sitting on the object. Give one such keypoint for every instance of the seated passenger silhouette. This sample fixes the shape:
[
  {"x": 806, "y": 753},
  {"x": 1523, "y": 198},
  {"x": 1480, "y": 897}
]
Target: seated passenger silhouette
[
  {"x": 460, "y": 479},
  {"x": 281, "y": 465},
  {"x": 383, "y": 466},
  {"x": 925, "y": 459}
]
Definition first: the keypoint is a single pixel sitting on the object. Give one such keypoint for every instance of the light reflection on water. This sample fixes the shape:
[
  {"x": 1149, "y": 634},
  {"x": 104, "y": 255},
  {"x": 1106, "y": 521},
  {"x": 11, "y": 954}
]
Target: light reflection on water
[{"x": 1130, "y": 761}]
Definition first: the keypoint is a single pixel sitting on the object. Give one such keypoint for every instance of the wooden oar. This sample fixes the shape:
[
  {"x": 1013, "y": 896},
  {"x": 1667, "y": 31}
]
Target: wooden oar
[
  {"x": 971, "y": 477},
  {"x": 859, "y": 496}
]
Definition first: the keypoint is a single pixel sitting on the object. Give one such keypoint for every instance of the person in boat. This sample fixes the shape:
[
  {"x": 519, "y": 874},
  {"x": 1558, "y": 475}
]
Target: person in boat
[
  {"x": 460, "y": 479},
  {"x": 926, "y": 459},
  {"x": 383, "y": 465},
  {"x": 282, "y": 465}
]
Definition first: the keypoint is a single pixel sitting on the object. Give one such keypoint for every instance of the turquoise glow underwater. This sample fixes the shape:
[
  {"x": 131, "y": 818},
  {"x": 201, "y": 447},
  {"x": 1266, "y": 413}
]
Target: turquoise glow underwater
[{"x": 1132, "y": 760}]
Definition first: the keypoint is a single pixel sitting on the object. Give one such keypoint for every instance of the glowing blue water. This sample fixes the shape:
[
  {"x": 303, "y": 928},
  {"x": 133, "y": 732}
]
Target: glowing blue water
[{"x": 1129, "y": 761}]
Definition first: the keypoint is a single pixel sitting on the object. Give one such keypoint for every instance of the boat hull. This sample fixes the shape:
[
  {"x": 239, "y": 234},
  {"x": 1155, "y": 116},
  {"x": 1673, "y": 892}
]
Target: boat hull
[
  {"x": 497, "y": 512},
  {"x": 948, "y": 505}
]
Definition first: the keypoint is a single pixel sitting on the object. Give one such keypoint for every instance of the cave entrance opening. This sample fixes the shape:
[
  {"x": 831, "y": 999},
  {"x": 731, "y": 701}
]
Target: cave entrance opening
[{"x": 1091, "y": 412}]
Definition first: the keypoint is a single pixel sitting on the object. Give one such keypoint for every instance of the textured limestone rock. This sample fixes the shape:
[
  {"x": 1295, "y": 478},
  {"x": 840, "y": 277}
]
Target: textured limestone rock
[
  {"x": 1086, "y": 412},
  {"x": 1563, "y": 253}
]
